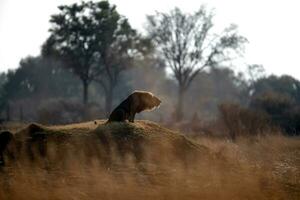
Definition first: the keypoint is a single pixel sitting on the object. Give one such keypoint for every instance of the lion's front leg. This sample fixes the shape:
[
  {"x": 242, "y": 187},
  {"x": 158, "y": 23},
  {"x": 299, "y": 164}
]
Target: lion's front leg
[{"x": 131, "y": 117}]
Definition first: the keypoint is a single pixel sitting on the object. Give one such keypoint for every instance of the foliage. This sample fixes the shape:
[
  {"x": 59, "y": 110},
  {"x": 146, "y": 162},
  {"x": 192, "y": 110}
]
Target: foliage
[
  {"x": 255, "y": 72},
  {"x": 58, "y": 111},
  {"x": 212, "y": 88},
  {"x": 37, "y": 75},
  {"x": 283, "y": 111},
  {"x": 279, "y": 97},
  {"x": 241, "y": 121},
  {"x": 95, "y": 41},
  {"x": 36, "y": 79},
  {"x": 66, "y": 111},
  {"x": 97, "y": 44},
  {"x": 284, "y": 85}
]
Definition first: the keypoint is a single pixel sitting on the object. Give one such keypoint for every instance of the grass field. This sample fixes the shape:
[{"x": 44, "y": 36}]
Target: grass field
[{"x": 146, "y": 161}]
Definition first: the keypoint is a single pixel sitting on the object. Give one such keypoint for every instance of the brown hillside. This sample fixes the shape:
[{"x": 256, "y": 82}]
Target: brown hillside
[{"x": 97, "y": 140}]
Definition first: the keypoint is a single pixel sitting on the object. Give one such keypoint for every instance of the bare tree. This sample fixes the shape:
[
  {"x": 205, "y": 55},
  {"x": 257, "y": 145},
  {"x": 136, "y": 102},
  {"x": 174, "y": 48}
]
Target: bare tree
[{"x": 187, "y": 45}]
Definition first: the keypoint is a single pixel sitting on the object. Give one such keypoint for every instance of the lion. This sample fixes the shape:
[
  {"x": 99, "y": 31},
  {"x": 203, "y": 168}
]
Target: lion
[{"x": 137, "y": 102}]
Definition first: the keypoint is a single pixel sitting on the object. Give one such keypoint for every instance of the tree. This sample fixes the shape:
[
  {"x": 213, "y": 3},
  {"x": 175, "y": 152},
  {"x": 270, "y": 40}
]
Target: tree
[
  {"x": 3, "y": 100},
  {"x": 212, "y": 88},
  {"x": 283, "y": 85},
  {"x": 255, "y": 72},
  {"x": 281, "y": 109},
  {"x": 187, "y": 45},
  {"x": 73, "y": 39},
  {"x": 279, "y": 97},
  {"x": 119, "y": 45},
  {"x": 96, "y": 42},
  {"x": 38, "y": 76},
  {"x": 35, "y": 80}
]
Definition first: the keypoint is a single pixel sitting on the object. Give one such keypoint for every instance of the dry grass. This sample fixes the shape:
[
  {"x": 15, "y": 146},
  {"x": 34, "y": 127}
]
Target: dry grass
[{"x": 257, "y": 168}]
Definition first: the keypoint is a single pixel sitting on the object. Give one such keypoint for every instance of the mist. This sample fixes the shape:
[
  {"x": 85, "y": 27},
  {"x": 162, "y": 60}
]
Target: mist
[{"x": 175, "y": 110}]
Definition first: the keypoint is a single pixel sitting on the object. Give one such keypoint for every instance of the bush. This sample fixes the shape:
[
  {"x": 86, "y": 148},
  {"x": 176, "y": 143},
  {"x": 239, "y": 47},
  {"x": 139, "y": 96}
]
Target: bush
[
  {"x": 283, "y": 111},
  {"x": 242, "y": 121},
  {"x": 61, "y": 111}
]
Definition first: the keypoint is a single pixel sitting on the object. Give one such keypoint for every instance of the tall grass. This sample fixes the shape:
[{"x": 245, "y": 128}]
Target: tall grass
[{"x": 265, "y": 167}]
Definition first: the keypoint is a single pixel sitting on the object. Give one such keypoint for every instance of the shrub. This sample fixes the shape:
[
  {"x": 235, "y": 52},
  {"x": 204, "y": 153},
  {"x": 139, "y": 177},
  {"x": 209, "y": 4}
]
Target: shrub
[
  {"x": 242, "y": 121},
  {"x": 61, "y": 111},
  {"x": 282, "y": 110}
]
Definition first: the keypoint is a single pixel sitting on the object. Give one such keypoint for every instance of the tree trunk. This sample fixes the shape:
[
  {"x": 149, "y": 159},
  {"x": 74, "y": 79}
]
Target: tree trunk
[
  {"x": 7, "y": 112},
  {"x": 21, "y": 113},
  {"x": 108, "y": 100},
  {"x": 85, "y": 91},
  {"x": 179, "y": 109}
]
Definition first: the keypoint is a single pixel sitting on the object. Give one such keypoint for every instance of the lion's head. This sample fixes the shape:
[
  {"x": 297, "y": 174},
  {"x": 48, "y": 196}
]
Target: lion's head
[{"x": 147, "y": 101}]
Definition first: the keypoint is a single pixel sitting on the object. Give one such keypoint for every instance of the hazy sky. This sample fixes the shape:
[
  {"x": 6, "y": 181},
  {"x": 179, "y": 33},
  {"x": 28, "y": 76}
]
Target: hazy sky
[{"x": 271, "y": 26}]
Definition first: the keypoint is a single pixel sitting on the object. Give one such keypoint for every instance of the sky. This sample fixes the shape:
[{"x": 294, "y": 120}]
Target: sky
[{"x": 271, "y": 26}]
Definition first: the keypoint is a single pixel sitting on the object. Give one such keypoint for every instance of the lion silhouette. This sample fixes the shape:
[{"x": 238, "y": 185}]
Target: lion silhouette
[{"x": 137, "y": 102}]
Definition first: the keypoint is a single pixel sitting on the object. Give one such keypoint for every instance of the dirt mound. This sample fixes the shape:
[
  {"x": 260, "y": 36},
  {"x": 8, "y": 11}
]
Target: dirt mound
[{"x": 143, "y": 140}]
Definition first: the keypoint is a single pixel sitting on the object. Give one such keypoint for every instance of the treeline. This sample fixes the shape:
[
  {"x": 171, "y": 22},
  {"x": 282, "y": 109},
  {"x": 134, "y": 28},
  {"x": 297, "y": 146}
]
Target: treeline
[{"x": 93, "y": 59}]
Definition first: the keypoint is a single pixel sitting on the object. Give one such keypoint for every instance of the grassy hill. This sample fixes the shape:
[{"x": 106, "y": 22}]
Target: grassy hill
[
  {"x": 144, "y": 160},
  {"x": 95, "y": 139}
]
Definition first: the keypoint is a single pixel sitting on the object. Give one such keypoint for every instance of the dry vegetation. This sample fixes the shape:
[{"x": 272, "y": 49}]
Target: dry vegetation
[{"x": 146, "y": 161}]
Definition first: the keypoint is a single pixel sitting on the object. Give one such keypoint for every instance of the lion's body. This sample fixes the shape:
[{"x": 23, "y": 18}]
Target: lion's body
[{"x": 137, "y": 102}]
